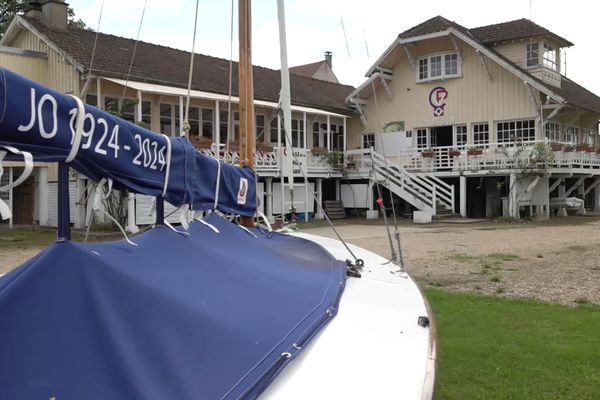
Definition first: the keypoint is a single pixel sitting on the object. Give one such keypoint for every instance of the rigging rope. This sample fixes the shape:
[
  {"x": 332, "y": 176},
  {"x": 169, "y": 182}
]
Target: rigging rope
[
  {"x": 186, "y": 125},
  {"x": 87, "y": 83},
  {"x": 137, "y": 40},
  {"x": 400, "y": 259}
]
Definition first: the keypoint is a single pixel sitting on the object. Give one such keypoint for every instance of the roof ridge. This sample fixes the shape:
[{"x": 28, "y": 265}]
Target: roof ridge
[{"x": 506, "y": 22}]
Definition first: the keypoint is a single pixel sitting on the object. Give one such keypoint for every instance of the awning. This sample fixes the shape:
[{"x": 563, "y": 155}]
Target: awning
[{"x": 198, "y": 94}]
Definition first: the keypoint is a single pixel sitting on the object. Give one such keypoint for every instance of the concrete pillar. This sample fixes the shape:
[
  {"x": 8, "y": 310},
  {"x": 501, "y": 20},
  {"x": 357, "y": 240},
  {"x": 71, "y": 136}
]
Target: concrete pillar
[
  {"x": 318, "y": 212},
  {"x": 43, "y": 197},
  {"x": 131, "y": 226},
  {"x": 269, "y": 201},
  {"x": 337, "y": 189},
  {"x": 581, "y": 195},
  {"x": 597, "y": 198},
  {"x": 562, "y": 190},
  {"x": 463, "y": 196},
  {"x": 513, "y": 206},
  {"x": 80, "y": 204}
]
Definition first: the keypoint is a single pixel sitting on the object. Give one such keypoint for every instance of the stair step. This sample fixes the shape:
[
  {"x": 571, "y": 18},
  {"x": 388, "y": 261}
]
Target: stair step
[{"x": 334, "y": 209}]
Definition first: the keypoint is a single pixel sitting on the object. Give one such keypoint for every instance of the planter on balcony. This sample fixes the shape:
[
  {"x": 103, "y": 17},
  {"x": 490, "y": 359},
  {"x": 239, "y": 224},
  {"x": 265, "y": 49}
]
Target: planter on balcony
[
  {"x": 428, "y": 154},
  {"x": 556, "y": 146},
  {"x": 475, "y": 152},
  {"x": 581, "y": 147},
  {"x": 453, "y": 153},
  {"x": 568, "y": 149},
  {"x": 591, "y": 149}
]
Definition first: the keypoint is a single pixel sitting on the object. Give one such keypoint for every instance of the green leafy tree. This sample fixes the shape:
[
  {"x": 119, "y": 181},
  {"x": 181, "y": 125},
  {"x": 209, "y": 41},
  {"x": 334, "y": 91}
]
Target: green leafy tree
[{"x": 10, "y": 8}]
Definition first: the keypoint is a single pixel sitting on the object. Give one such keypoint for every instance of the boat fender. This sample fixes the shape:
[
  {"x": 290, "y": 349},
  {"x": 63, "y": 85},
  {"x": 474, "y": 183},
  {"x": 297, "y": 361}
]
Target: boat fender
[{"x": 423, "y": 321}]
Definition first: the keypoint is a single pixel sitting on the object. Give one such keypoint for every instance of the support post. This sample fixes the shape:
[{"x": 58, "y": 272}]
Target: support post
[
  {"x": 217, "y": 126},
  {"x": 318, "y": 213},
  {"x": 80, "y": 204},
  {"x": 180, "y": 133},
  {"x": 138, "y": 117},
  {"x": 269, "y": 202},
  {"x": 131, "y": 225},
  {"x": 11, "y": 177},
  {"x": 513, "y": 206},
  {"x": 160, "y": 211},
  {"x": 463, "y": 196},
  {"x": 306, "y": 199},
  {"x": 597, "y": 198},
  {"x": 337, "y": 190},
  {"x": 328, "y": 133},
  {"x": 305, "y": 144},
  {"x": 345, "y": 137},
  {"x": 64, "y": 228},
  {"x": 99, "y": 102}
]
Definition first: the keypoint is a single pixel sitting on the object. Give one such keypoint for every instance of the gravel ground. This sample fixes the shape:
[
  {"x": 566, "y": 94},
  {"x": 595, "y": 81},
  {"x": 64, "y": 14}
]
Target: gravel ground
[{"x": 557, "y": 261}]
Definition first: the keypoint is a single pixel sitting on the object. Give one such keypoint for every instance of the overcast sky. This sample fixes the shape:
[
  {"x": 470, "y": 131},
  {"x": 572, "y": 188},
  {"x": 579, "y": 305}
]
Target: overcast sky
[{"x": 315, "y": 26}]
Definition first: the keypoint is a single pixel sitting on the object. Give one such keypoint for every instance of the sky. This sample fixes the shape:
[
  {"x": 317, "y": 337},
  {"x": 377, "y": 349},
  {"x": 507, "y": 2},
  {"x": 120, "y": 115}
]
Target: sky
[{"x": 357, "y": 32}]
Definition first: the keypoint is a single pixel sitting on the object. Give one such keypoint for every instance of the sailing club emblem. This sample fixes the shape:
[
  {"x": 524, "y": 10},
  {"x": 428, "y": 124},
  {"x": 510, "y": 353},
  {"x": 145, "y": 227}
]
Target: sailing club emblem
[
  {"x": 241, "y": 198},
  {"x": 437, "y": 99}
]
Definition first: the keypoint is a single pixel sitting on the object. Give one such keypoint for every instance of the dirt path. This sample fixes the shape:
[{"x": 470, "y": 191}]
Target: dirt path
[{"x": 552, "y": 262}]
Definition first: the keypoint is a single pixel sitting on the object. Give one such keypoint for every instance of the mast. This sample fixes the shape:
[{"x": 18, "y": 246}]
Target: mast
[
  {"x": 246, "y": 93},
  {"x": 285, "y": 100}
]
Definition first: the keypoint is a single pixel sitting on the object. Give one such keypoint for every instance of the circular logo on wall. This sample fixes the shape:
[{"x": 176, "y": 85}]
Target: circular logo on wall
[{"x": 437, "y": 99}]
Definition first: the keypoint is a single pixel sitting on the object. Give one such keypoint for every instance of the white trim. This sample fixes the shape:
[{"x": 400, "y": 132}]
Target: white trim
[{"x": 175, "y": 91}]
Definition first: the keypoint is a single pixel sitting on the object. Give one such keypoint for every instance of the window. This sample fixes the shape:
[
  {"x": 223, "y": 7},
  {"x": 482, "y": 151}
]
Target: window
[
  {"x": 368, "y": 140},
  {"x": 550, "y": 59},
  {"x": 236, "y": 126},
  {"x": 533, "y": 54},
  {"x": 166, "y": 119},
  {"x": 194, "y": 121},
  {"x": 207, "y": 122},
  {"x": 512, "y": 131},
  {"x": 435, "y": 67},
  {"x": 552, "y": 131},
  {"x": 591, "y": 139},
  {"x": 438, "y": 66},
  {"x": 572, "y": 134},
  {"x": 297, "y": 133},
  {"x": 423, "y": 69},
  {"x": 274, "y": 133},
  {"x": 461, "y": 135},
  {"x": 260, "y": 128},
  {"x": 451, "y": 64},
  {"x": 481, "y": 133},
  {"x": 223, "y": 123},
  {"x": 421, "y": 138}
]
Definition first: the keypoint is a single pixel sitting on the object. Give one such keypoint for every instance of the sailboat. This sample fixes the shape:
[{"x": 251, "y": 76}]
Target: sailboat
[{"x": 217, "y": 311}]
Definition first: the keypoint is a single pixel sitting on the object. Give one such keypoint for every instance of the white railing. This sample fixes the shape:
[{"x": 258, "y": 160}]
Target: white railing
[
  {"x": 493, "y": 156},
  {"x": 424, "y": 191}
]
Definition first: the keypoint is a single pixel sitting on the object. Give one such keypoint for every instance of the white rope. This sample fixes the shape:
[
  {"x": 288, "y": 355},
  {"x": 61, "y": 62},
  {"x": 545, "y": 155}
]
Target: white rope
[
  {"x": 27, "y": 159},
  {"x": 168, "y": 224},
  {"x": 78, "y": 134},
  {"x": 211, "y": 226},
  {"x": 137, "y": 40},
  {"x": 248, "y": 231},
  {"x": 218, "y": 185},
  {"x": 185, "y": 124},
  {"x": 168, "y": 166},
  {"x": 183, "y": 217},
  {"x": 228, "y": 138}
]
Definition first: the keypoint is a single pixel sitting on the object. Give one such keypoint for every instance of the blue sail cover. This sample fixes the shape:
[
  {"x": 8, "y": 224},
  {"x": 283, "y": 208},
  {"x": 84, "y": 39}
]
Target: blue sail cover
[
  {"x": 43, "y": 122},
  {"x": 212, "y": 316}
]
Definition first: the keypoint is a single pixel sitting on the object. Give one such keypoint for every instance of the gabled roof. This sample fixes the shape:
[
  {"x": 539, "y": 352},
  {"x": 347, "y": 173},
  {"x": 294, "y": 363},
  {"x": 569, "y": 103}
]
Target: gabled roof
[
  {"x": 167, "y": 66},
  {"x": 307, "y": 69},
  {"x": 432, "y": 25},
  {"x": 518, "y": 29}
]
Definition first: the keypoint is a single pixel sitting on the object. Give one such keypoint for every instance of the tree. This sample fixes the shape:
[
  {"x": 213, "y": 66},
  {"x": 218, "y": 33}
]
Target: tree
[{"x": 10, "y": 8}]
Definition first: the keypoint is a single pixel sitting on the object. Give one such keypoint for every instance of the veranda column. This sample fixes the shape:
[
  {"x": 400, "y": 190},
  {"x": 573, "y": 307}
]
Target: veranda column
[
  {"x": 318, "y": 213},
  {"x": 269, "y": 202},
  {"x": 463, "y": 196},
  {"x": 597, "y": 198},
  {"x": 337, "y": 189},
  {"x": 513, "y": 207},
  {"x": 581, "y": 195},
  {"x": 131, "y": 225}
]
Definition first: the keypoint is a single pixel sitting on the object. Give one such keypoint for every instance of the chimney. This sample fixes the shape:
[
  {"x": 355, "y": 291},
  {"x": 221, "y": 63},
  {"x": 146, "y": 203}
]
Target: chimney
[
  {"x": 328, "y": 56},
  {"x": 34, "y": 10},
  {"x": 54, "y": 14}
]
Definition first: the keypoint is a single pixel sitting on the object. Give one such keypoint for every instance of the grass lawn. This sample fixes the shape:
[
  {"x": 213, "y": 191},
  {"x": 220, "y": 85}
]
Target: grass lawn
[{"x": 495, "y": 348}]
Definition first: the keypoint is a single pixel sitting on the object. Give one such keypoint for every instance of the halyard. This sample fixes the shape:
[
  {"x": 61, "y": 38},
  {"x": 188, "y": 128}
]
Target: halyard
[{"x": 489, "y": 345}]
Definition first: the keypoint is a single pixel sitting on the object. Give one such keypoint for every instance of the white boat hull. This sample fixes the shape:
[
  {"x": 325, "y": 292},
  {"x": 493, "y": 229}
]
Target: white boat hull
[{"x": 374, "y": 348}]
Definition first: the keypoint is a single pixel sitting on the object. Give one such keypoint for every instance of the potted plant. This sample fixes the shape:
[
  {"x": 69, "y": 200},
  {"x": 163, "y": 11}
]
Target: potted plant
[
  {"x": 556, "y": 146},
  {"x": 454, "y": 153},
  {"x": 590, "y": 149},
  {"x": 581, "y": 147},
  {"x": 474, "y": 151},
  {"x": 428, "y": 153}
]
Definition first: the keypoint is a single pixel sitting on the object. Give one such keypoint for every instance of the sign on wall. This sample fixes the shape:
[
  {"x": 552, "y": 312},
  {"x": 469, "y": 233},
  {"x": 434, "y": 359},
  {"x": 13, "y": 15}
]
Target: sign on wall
[{"x": 437, "y": 99}]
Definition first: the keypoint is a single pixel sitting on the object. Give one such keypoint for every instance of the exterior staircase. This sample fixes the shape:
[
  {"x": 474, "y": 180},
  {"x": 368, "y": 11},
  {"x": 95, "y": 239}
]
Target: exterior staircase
[{"x": 424, "y": 191}]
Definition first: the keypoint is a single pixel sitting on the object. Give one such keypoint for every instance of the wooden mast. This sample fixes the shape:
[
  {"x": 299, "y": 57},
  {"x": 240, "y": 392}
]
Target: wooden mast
[{"x": 246, "y": 93}]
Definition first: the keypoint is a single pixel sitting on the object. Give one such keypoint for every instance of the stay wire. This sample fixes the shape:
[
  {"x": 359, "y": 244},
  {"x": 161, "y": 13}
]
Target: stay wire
[
  {"x": 229, "y": 119},
  {"x": 400, "y": 258},
  {"x": 137, "y": 41},
  {"x": 357, "y": 260},
  {"x": 93, "y": 51},
  {"x": 185, "y": 125}
]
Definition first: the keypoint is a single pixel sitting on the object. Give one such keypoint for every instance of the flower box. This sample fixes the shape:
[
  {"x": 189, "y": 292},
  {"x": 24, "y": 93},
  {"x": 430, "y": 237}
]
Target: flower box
[
  {"x": 581, "y": 147},
  {"x": 556, "y": 146},
  {"x": 568, "y": 149},
  {"x": 428, "y": 154},
  {"x": 475, "y": 152},
  {"x": 454, "y": 153}
]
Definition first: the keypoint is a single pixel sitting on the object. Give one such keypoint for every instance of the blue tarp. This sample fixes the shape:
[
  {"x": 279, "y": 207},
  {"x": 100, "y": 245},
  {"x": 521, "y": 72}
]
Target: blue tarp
[
  {"x": 42, "y": 121},
  {"x": 212, "y": 316}
]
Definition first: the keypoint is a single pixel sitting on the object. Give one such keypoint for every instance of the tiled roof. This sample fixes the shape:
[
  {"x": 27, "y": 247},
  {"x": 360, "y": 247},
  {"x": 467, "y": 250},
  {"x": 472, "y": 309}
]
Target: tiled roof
[
  {"x": 518, "y": 29},
  {"x": 307, "y": 69},
  {"x": 164, "y": 65},
  {"x": 432, "y": 25}
]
